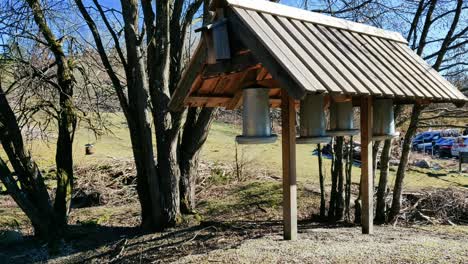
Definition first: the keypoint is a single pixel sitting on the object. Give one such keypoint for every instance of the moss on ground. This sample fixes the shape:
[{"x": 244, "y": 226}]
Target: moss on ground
[{"x": 12, "y": 218}]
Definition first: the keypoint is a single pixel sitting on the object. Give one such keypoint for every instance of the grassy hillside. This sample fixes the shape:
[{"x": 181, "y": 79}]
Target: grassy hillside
[{"x": 220, "y": 148}]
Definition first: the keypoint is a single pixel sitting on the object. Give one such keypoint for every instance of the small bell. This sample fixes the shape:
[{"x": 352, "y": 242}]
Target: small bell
[
  {"x": 256, "y": 123},
  {"x": 383, "y": 120},
  {"x": 312, "y": 120},
  {"x": 341, "y": 119}
]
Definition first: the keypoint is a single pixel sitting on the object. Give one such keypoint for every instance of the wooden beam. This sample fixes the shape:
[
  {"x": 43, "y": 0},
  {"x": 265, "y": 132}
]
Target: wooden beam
[
  {"x": 262, "y": 73},
  {"x": 235, "y": 101},
  {"x": 185, "y": 84},
  {"x": 237, "y": 63},
  {"x": 342, "y": 98},
  {"x": 288, "y": 125},
  {"x": 267, "y": 83},
  {"x": 208, "y": 40},
  {"x": 211, "y": 101},
  {"x": 367, "y": 185}
]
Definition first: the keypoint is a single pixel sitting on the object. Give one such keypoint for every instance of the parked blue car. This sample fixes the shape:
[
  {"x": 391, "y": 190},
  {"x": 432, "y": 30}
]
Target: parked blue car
[
  {"x": 418, "y": 139},
  {"x": 425, "y": 141},
  {"x": 443, "y": 147}
]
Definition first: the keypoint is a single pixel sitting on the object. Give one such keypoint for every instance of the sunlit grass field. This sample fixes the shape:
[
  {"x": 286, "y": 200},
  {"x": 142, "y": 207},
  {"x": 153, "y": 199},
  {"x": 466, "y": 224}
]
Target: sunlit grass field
[{"x": 220, "y": 148}]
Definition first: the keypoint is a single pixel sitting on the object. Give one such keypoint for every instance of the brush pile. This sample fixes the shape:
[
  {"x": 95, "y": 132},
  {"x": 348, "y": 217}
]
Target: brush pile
[
  {"x": 440, "y": 206},
  {"x": 112, "y": 183}
]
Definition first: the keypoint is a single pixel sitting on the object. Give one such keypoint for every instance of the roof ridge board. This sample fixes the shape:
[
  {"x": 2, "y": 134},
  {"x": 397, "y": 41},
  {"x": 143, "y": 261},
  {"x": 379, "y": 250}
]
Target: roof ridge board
[{"x": 316, "y": 18}]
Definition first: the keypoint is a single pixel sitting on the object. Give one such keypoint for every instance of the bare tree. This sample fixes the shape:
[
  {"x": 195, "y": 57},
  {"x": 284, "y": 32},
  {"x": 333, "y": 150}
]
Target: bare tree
[
  {"x": 154, "y": 63},
  {"x": 452, "y": 40},
  {"x": 39, "y": 78}
]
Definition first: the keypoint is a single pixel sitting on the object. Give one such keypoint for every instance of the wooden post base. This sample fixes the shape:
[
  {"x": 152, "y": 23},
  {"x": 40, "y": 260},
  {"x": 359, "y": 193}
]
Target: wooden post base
[
  {"x": 288, "y": 125},
  {"x": 367, "y": 185}
]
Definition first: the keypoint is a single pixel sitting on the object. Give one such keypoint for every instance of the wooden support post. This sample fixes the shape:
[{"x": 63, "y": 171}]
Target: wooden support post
[
  {"x": 288, "y": 125},
  {"x": 367, "y": 185}
]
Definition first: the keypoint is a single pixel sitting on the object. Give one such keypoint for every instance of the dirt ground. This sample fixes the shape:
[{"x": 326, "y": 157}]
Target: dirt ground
[
  {"x": 257, "y": 242},
  {"x": 238, "y": 221}
]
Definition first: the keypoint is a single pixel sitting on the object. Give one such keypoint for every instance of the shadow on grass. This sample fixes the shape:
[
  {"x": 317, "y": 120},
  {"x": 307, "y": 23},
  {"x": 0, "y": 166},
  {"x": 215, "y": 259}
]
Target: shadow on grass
[
  {"x": 79, "y": 238},
  {"x": 87, "y": 244},
  {"x": 441, "y": 176}
]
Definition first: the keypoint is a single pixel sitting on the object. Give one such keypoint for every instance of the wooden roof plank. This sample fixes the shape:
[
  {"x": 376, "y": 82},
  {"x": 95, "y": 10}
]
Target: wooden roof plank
[
  {"x": 365, "y": 75},
  {"x": 316, "y": 18},
  {"x": 367, "y": 61},
  {"x": 326, "y": 66},
  {"x": 280, "y": 48},
  {"x": 314, "y": 63},
  {"x": 410, "y": 68},
  {"x": 379, "y": 62},
  {"x": 425, "y": 75},
  {"x": 393, "y": 66},
  {"x": 351, "y": 74},
  {"x": 269, "y": 59},
  {"x": 422, "y": 64}
]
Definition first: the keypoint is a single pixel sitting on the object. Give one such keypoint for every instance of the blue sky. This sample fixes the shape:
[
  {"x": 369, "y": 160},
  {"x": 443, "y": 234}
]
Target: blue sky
[{"x": 436, "y": 32}]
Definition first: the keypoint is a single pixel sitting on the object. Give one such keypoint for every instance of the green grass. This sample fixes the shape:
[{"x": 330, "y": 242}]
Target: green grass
[{"x": 220, "y": 147}]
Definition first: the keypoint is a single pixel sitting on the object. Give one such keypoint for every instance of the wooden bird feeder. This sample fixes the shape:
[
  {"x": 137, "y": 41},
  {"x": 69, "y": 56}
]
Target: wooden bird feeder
[{"x": 294, "y": 53}]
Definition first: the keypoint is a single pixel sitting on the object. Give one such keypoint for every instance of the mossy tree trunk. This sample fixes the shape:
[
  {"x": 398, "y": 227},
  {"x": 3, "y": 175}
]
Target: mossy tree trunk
[
  {"x": 25, "y": 183},
  {"x": 195, "y": 133},
  {"x": 66, "y": 116}
]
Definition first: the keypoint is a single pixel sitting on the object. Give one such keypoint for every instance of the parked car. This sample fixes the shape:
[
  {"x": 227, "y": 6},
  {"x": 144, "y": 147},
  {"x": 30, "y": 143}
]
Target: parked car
[
  {"x": 443, "y": 147},
  {"x": 418, "y": 139},
  {"x": 427, "y": 141},
  {"x": 460, "y": 144}
]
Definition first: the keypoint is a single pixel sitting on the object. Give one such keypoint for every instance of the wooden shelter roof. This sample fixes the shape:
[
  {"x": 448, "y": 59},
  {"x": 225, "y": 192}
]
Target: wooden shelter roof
[{"x": 274, "y": 45}]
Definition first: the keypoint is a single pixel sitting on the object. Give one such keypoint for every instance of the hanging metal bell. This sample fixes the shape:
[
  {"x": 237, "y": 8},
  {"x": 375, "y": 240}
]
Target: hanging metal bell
[
  {"x": 341, "y": 119},
  {"x": 256, "y": 123},
  {"x": 312, "y": 120},
  {"x": 383, "y": 120}
]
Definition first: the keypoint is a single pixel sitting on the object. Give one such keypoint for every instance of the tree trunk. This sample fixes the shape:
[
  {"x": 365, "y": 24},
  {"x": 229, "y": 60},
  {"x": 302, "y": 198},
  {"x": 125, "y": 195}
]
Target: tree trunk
[
  {"x": 380, "y": 216},
  {"x": 147, "y": 181},
  {"x": 349, "y": 166},
  {"x": 375, "y": 152},
  {"x": 382, "y": 189},
  {"x": 195, "y": 132},
  {"x": 398, "y": 188},
  {"x": 148, "y": 185},
  {"x": 336, "y": 209},
  {"x": 322, "y": 183},
  {"x": 32, "y": 197},
  {"x": 334, "y": 184},
  {"x": 64, "y": 155},
  {"x": 67, "y": 117},
  {"x": 340, "y": 203}
]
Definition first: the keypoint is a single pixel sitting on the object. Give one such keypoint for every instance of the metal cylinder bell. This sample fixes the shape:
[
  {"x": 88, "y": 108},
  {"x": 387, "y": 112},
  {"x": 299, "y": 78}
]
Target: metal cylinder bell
[
  {"x": 256, "y": 123},
  {"x": 312, "y": 120},
  {"x": 341, "y": 119},
  {"x": 383, "y": 120}
]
